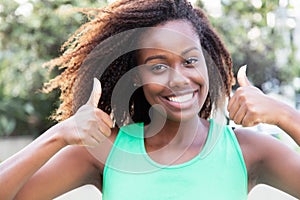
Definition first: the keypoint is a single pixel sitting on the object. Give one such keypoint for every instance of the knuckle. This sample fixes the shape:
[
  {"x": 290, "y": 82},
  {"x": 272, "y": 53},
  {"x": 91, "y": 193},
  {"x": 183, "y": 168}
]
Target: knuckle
[
  {"x": 80, "y": 139},
  {"x": 237, "y": 122},
  {"x": 243, "y": 98},
  {"x": 105, "y": 130},
  {"x": 240, "y": 90},
  {"x": 231, "y": 115},
  {"x": 252, "y": 111}
]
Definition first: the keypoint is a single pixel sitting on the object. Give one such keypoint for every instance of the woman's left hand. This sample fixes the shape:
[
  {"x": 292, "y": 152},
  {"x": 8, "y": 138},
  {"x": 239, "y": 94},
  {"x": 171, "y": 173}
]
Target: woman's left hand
[{"x": 250, "y": 106}]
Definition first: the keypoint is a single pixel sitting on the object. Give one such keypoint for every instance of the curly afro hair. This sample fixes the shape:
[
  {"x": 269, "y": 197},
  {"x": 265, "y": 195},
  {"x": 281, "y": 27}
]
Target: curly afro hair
[{"x": 96, "y": 49}]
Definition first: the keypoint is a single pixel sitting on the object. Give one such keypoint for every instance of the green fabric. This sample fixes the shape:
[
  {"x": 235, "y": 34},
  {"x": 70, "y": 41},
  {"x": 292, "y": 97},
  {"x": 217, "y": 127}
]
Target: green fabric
[{"x": 217, "y": 173}]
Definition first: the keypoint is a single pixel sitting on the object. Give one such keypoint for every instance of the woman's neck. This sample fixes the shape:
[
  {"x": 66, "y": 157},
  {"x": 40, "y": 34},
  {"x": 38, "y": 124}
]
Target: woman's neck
[{"x": 162, "y": 131}]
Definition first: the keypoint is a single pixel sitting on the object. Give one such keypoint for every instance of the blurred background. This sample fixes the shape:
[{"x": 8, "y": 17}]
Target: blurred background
[{"x": 259, "y": 33}]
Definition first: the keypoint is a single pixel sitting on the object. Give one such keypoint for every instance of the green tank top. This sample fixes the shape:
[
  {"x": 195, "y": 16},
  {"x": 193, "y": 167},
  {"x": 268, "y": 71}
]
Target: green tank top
[{"x": 218, "y": 172}]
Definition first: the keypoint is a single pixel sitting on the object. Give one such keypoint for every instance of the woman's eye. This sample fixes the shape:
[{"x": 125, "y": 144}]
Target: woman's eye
[
  {"x": 191, "y": 61},
  {"x": 159, "y": 68}
]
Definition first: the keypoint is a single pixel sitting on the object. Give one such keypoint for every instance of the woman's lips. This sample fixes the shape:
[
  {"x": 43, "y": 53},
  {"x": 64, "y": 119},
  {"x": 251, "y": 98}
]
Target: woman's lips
[{"x": 181, "y": 98}]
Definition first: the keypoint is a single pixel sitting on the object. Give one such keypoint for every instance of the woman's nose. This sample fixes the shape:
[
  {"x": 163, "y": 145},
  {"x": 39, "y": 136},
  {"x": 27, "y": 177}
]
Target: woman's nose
[{"x": 177, "y": 79}]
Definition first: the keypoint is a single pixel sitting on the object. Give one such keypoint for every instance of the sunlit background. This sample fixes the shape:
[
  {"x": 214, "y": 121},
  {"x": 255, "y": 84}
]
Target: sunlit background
[
  {"x": 263, "y": 34},
  {"x": 259, "y": 33}
]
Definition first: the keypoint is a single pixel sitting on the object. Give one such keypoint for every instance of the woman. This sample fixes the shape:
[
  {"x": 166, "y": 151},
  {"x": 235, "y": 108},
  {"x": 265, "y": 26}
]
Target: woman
[{"x": 164, "y": 73}]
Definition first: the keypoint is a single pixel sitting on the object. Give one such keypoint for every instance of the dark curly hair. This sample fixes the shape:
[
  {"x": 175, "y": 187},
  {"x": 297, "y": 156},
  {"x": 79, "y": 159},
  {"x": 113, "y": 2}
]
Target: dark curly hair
[{"x": 97, "y": 50}]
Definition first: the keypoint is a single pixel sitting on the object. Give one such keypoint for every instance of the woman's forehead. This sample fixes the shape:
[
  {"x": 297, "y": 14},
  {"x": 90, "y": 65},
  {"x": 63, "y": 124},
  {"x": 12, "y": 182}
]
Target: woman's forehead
[{"x": 171, "y": 36}]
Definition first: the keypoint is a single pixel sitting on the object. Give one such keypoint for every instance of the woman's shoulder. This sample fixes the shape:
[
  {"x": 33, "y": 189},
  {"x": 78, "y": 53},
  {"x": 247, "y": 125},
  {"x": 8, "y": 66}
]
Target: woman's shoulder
[
  {"x": 254, "y": 140},
  {"x": 261, "y": 153},
  {"x": 255, "y": 145}
]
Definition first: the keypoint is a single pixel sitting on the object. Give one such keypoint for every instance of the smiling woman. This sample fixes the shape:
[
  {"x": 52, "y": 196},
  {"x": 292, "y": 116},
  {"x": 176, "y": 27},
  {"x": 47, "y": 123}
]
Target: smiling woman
[
  {"x": 146, "y": 130},
  {"x": 174, "y": 73}
]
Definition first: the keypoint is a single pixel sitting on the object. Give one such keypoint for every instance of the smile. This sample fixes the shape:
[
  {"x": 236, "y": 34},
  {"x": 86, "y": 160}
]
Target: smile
[{"x": 181, "y": 98}]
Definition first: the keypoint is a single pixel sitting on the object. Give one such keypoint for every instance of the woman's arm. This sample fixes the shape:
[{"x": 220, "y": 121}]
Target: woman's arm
[
  {"x": 268, "y": 160},
  {"x": 35, "y": 163},
  {"x": 250, "y": 106},
  {"x": 18, "y": 169},
  {"x": 39, "y": 172},
  {"x": 70, "y": 168},
  {"x": 289, "y": 121}
]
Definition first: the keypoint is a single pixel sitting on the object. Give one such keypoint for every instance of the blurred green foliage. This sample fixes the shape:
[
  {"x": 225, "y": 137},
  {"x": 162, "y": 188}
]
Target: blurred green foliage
[
  {"x": 31, "y": 33},
  {"x": 259, "y": 33}
]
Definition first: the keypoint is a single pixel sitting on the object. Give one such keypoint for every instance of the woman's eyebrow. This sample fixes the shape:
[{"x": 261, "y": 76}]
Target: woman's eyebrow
[
  {"x": 188, "y": 50},
  {"x": 162, "y": 57}
]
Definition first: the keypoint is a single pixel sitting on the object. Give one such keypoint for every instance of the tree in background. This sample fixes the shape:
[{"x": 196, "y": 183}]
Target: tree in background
[
  {"x": 259, "y": 33},
  {"x": 31, "y": 33}
]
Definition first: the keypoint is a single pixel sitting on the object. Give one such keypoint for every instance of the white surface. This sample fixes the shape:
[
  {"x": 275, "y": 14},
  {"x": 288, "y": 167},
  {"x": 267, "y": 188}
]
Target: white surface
[
  {"x": 86, "y": 192},
  {"x": 263, "y": 192}
]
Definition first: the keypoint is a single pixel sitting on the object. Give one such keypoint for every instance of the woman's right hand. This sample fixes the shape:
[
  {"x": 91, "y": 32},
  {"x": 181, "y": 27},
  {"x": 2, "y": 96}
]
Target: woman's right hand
[{"x": 89, "y": 126}]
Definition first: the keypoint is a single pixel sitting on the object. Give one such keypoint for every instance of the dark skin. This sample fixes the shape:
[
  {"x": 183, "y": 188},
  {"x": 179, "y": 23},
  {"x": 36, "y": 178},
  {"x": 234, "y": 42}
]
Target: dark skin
[
  {"x": 73, "y": 152},
  {"x": 269, "y": 162}
]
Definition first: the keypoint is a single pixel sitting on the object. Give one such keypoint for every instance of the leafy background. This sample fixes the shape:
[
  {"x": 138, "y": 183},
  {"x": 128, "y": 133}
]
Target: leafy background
[{"x": 32, "y": 31}]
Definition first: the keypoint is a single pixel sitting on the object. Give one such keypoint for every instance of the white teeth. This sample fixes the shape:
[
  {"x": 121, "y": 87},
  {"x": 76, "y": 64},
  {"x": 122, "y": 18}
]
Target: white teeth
[{"x": 181, "y": 99}]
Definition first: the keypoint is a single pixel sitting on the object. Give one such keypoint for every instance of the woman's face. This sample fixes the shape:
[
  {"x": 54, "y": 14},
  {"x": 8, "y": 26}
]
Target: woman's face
[{"x": 172, "y": 69}]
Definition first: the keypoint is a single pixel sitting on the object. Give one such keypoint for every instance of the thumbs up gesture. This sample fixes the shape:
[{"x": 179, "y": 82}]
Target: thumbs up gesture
[
  {"x": 90, "y": 125},
  {"x": 249, "y": 105}
]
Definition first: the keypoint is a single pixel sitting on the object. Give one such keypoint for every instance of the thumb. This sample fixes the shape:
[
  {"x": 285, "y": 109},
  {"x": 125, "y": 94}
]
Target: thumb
[
  {"x": 95, "y": 94},
  {"x": 242, "y": 77}
]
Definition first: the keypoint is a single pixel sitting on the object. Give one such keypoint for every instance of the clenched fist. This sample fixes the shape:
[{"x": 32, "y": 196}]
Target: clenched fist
[
  {"x": 89, "y": 126},
  {"x": 250, "y": 106}
]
